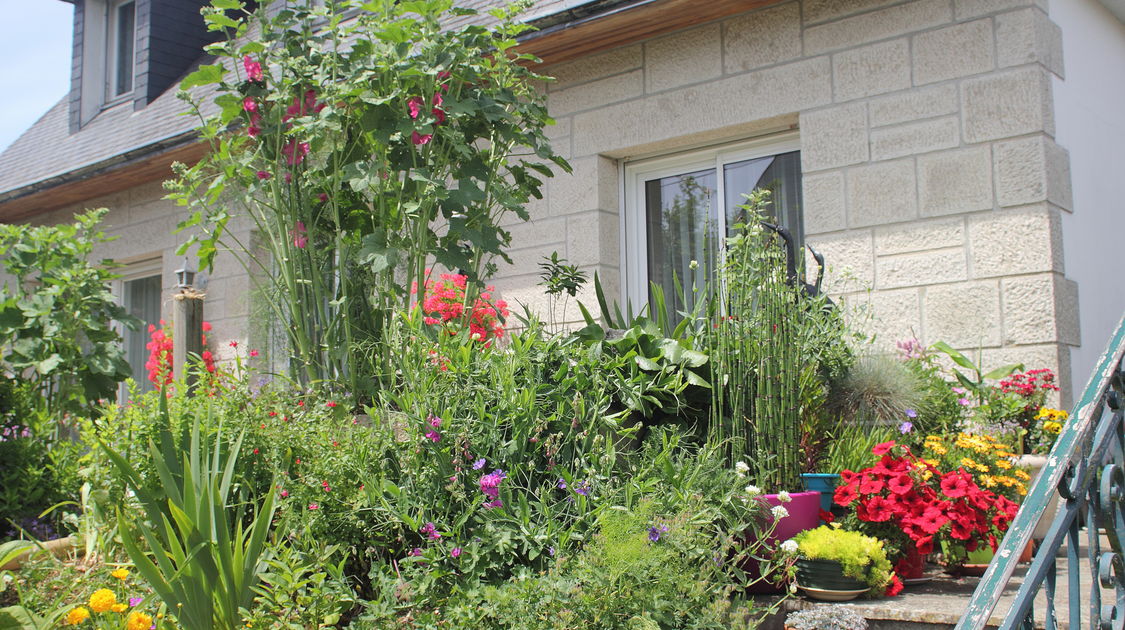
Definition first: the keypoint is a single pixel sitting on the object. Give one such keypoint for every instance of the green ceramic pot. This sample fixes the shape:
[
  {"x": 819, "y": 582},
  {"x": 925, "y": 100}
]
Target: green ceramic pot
[{"x": 826, "y": 575}]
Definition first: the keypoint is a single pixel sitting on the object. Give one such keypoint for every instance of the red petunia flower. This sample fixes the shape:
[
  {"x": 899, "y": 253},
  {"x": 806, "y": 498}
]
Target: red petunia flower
[
  {"x": 955, "y": 484},
  {"x": 881, "y": 449},
  {"x": 900, "y": 484},
  {"x": 871, "y": 485},
  {"x": 844, "y": 495},
  {"x": 895, "y": 587}
]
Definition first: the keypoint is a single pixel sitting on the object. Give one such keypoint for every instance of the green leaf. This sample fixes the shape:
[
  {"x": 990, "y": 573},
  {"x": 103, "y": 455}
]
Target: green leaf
[
  {"x": 48, "y": 365},
  {"x": 226, "y": 5},
  {"x": 956, "y": 356},
  {"x": 1003, "y": 371},
  {"x": 205, "y": 75}
]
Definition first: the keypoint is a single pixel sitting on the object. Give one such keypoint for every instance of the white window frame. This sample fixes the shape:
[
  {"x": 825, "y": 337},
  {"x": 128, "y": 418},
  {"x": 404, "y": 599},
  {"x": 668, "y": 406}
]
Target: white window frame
[
  {"x": 634, "y": 227},
  {"x": 111, "y": 51},
  {"x": 139, "y": 270}
]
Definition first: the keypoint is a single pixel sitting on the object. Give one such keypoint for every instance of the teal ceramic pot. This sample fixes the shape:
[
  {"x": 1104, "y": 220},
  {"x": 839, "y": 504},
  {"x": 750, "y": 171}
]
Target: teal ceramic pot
[{"x": 825, "y": 484}]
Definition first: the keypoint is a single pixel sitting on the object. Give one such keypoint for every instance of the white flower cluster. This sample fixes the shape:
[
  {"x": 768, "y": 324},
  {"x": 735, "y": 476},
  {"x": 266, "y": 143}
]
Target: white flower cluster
[
  {"x": 789, "y": 546},
  {"x": 741, "y": 468},
  {"x": 784, "y": 497},
  {"x": 779, "y": 512}
]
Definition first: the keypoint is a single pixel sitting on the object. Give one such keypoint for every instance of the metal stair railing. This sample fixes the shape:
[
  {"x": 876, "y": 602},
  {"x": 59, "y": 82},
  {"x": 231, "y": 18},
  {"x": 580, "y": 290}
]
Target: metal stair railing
[{"x": 1087, "y": 468}]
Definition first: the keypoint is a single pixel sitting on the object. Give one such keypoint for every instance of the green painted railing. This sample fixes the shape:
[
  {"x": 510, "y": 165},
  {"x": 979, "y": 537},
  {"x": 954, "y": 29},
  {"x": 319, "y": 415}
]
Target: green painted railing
[{"x": 1086, "y": 468}]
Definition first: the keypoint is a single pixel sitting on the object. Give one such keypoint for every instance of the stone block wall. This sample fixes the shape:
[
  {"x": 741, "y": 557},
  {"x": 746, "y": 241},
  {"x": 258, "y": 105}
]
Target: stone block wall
[
  {"x": 143, "y": 223},
  {"x": 932, "y": 181}
]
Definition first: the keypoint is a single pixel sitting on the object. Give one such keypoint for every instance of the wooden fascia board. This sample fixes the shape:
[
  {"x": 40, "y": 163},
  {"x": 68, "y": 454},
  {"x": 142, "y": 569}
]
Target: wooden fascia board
[
  {"x": 109, "y": 178},
  {"x": 628, "y": 24}
]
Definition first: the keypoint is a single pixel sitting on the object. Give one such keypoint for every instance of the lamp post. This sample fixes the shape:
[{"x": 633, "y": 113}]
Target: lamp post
[{"x": 187, "y": 323}]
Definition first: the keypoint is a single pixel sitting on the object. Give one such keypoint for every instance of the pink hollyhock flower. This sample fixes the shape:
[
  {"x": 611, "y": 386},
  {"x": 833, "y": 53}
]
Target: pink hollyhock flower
[
  {"x": 420, "y": 138},
  {"x": 437, "y": 111},
  {"x": 323, "y": 197},
  {"x": 284, "y": 494},
  {"x": 263, "y": 175},
  {"x": 415, "y": 106},
  {"x": 295, "y": 152},
  {"x": 300, "y": 235},
  {"x": 253, "y": 69},
  {"x": 249, "y": 104}
]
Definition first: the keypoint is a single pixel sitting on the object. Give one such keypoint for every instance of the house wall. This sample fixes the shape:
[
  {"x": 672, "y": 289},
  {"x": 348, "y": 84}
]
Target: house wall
[
  {"x": 144, "y": 224},
  {"x": 1088, "y": 113},
  {"x": 932, "y": 181}
]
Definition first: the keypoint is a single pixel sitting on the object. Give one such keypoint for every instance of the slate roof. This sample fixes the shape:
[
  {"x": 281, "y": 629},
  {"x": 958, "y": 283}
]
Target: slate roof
[{"x": 48, "y": 151}]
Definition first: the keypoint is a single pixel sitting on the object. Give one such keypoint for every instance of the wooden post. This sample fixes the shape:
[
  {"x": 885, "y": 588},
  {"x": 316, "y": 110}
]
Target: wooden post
[{"x": 187, "y": 331}]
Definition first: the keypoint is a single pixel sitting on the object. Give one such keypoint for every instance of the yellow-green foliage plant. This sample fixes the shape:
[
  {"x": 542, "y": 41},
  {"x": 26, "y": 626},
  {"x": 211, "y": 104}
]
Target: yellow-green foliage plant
[{"x": 861, "y": 557}]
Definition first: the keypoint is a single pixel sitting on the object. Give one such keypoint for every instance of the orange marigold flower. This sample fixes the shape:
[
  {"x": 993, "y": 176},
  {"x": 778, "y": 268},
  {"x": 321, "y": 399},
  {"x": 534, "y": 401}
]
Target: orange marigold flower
[
  {"x": 102, "y": 600},
  {"x": 77, "y": 615},
  {"x": 138, "y": 621}
]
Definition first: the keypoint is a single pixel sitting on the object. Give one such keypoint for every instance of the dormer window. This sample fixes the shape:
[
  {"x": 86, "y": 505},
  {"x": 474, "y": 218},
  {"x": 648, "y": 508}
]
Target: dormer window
[{"x": 122, "y": 25}]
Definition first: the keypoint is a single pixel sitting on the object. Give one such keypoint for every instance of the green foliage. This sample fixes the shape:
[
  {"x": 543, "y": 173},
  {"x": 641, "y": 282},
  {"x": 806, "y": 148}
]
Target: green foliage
[
  {"x": 772, "y": 351},
  {"x": 861, "y": 557},
  {"x": 938, "y": 408},
  {"x": 301, "y": 588},
  {"x": 204, "y": 548},
  {"x": 849, "y": 446},
  {"x": 376, "y": 145},
  {"x": 57, "y": 317},
  {"x": 974, "y": 379}
]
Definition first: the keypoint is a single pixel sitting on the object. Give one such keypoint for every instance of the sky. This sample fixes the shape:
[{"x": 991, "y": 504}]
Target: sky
[{"x": 35, "y": 47}]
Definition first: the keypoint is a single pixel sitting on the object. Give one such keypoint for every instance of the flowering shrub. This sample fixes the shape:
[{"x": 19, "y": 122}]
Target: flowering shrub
[
  {"x": 909, "y": 500},
  {"x": 1014, "y": 403},
  {"x": 362, "y": 165},
  {"x": 985, "y": 458},
  {"x": 160, "y": 349},
  {"x": 1044, "y": 430},
  {"x": 444, "y": 302}
]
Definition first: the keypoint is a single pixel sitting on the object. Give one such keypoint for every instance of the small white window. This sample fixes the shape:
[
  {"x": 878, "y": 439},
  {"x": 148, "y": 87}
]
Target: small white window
[
  {"x": 120, "y": 54},
  {"x": 141, "y": 292},
  {"x": 677, "y": 207}
]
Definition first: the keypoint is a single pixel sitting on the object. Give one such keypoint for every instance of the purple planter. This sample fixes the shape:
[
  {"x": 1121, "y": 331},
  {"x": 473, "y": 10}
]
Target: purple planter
[{"x": 804, "y": 513}]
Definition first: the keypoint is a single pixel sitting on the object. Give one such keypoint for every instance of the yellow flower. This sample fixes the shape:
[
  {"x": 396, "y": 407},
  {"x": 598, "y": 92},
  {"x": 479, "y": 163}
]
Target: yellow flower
[
  {"x": 77, "y": 615},
  {"x": 119, "y": 608},
  {"x": 121, "y": 574},
  {"x": 1003, "y": 464},
  {"x": 1022, "y": 475},
  {"x": 940, "y": 450},
  {"x": 1052, "y": 427},
  {"x": 138, "y": 621},
  {"x": 102, "y": 600},
  {"x": 968, "y": 463},
  {"x": 988, "y": 481}
]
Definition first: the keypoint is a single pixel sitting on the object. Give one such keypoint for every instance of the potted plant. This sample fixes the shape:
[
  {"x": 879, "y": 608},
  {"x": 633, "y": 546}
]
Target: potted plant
[
  {"x": 836, "y": 564},
  {"x": 911, "y": 503},
  {"x": 826, "y": 618}
]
